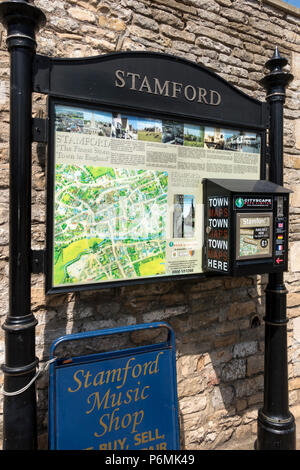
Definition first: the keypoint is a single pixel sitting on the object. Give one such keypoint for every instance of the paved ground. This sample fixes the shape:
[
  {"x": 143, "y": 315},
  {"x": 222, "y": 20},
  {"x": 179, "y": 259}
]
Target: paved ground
[{"x": 249, "y": 444}]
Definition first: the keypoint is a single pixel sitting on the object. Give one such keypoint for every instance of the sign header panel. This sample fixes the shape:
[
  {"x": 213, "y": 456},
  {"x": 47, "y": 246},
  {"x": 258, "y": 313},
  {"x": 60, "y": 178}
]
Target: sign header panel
[{"x": 149, "y": 80}]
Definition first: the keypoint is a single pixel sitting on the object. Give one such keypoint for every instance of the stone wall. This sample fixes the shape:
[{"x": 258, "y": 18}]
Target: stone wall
[{"x": 218, "y": 322}]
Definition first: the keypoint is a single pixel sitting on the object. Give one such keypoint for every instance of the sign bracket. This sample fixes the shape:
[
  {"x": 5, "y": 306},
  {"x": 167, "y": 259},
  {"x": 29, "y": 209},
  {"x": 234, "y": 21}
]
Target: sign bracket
[
  {"x": 37, "y": 261},
  {"x": 40, "y": 130}
]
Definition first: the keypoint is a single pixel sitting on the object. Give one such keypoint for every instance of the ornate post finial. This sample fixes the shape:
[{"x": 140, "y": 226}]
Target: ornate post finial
[
  {"x": 21, "y": 19},
  {"x": 277, "y": 79}
]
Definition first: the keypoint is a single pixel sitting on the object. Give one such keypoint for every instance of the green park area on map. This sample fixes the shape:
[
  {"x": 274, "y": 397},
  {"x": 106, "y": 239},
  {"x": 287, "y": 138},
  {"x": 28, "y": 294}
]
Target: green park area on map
[{"x": 109, "y": 224}]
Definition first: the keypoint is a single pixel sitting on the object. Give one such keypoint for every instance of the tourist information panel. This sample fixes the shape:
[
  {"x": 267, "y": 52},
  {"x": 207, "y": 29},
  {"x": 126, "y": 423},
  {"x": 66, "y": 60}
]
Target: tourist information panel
[{"x": 128, "y": 192}]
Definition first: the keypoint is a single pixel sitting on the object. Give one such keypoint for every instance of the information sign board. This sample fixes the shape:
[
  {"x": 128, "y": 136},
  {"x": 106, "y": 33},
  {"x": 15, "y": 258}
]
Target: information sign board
[
  {"x": 127, "y": 192},
  {"x": 115, "y": 400},
  {"x": 131, "y": 137}
]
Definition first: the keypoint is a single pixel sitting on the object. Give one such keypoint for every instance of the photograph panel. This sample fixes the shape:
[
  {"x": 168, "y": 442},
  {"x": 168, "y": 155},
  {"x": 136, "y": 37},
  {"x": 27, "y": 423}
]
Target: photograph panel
[
  {"x": 193, "y": 135},
  {"x": 124, "y": 127},
  {"x": 79, "y": 120},
  {"x": 172, "y": 132},
  {"x": 149, "y": 130}
]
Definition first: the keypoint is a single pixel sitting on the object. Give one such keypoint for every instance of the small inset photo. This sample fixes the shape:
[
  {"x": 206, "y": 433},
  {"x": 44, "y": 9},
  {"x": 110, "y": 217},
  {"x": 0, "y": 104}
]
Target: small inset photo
[
  {"x": 79, "y": 120},
  {"x": 184, "y": 216},
  {"x": 249, "y": 142},
  {"x": 241, "y": 141},
  {"x": 172, "y": 132},
  {"x": 124, "y": 127},
  {"x": 149, "y": 130},
  {"x": 213, "y": 138},
  {"x": 232, "y": 139},
  {"x": 193, "y": 135}
]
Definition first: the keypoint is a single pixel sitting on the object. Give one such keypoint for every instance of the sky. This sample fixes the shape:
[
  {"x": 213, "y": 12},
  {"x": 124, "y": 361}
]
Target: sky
[
  {"x": 295, "y": 3},
  {"x": 142, "y": 123}
]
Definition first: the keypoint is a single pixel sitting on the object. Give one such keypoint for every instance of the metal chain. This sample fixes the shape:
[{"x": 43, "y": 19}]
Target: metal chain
[{"x": 43, "y": 368}]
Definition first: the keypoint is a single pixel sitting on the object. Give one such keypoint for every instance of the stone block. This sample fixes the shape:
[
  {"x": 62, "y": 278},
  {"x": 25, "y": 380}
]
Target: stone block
[
  {"x": 295, "y": 196},
  {"x": 190, "y": 387},
  {"x": 247, "y": 387},
  {"x": 243, "y": 432},
  {"x": 225, "y": 340},
  {"x": 295, "y": 69},
  {"x": 244, "y": 349},
  {"x": 238, "y": 309},
  {"x": 294, "y": 384},
  {"x": 188, "y": 405},
  {"x": 294, "y": 256},
  {"x": 296, "y": 326},
  {"x": 235, "y": 369},
  {"x": 241, "y": 405},
  {"x": 145, "y": 22},
  {"x": 168, "y": 18},
  {"x": 297, "y": 134},
  {"x": 82, "y": 15},
  {"x": 113, "y": 24},
  {"x": 222, "y": 397},
  {"x": 293, "y": 299},
  {"x": 255, "y": 365},
  {"x": 173, "y": 33}
]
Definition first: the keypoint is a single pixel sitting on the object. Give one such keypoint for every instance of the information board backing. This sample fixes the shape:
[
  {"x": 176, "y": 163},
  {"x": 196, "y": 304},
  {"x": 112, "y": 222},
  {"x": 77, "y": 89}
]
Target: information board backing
[{"x": 126, "y": 202}]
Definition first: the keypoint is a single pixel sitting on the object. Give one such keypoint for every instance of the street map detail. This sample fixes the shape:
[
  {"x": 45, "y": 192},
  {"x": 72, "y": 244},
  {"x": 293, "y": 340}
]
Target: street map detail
[
  {"x": 127, "y": 193},
  {"x": 109, "y": 223}
]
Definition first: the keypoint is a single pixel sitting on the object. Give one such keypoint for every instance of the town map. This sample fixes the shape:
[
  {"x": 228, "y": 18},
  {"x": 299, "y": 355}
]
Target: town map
[{"x": 109, "y": 223}]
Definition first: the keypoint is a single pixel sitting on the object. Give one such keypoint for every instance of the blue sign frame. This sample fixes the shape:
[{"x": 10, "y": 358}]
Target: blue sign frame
[{"x": 117, "y": 400}]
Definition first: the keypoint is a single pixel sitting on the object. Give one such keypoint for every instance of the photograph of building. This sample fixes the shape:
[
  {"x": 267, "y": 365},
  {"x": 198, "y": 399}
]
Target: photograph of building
[
  {"x": 184, "y": 216},
  {"x": 124, "y": 127}
]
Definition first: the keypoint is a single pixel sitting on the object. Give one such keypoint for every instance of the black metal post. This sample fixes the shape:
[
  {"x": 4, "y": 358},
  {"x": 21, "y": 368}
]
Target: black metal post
[
  {"x": 19, "y": 413},
  {"x": 276, "y": 425}
]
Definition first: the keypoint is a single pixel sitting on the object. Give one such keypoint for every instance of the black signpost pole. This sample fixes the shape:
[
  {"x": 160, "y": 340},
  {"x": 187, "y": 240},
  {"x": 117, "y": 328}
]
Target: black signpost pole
[
  {"x": 19, "y": 411},
  {"x": 276, "y": 425}
]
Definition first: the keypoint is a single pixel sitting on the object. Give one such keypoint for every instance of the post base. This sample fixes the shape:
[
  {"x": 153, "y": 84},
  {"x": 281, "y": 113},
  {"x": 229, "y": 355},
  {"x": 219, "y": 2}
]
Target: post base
[{"x": 275, "y": 434}]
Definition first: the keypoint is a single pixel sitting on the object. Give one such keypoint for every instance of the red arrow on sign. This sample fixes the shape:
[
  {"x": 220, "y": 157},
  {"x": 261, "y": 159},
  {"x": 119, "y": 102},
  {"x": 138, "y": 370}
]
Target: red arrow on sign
[{"x": 278, "y": 260}]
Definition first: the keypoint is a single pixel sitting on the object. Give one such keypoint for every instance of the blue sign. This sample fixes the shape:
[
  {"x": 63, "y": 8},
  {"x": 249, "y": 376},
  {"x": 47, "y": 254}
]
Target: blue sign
[{"x": 120, "y": 400}]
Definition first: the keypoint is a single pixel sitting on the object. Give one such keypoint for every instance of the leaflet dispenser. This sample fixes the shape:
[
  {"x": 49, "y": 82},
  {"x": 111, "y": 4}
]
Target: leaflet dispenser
[{"x": 246, "y": 226}]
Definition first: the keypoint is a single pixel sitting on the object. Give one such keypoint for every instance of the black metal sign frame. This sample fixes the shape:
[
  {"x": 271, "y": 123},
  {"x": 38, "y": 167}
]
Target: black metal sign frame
[{"x": 150, "y": 85}]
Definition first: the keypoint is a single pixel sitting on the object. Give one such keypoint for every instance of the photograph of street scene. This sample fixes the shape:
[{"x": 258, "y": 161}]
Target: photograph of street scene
[
  {"x": 241, "y": 141},
  {"x": 172, "y": 132},
  {"x": 193, "y": 135},
  {"x": 124, "y": 127},
  {"x": 84, "y": 121},
  {"x": 149, "y": 130},
  {"x": 227, "y": 139},
  {"x": 184, "y": 216}
]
